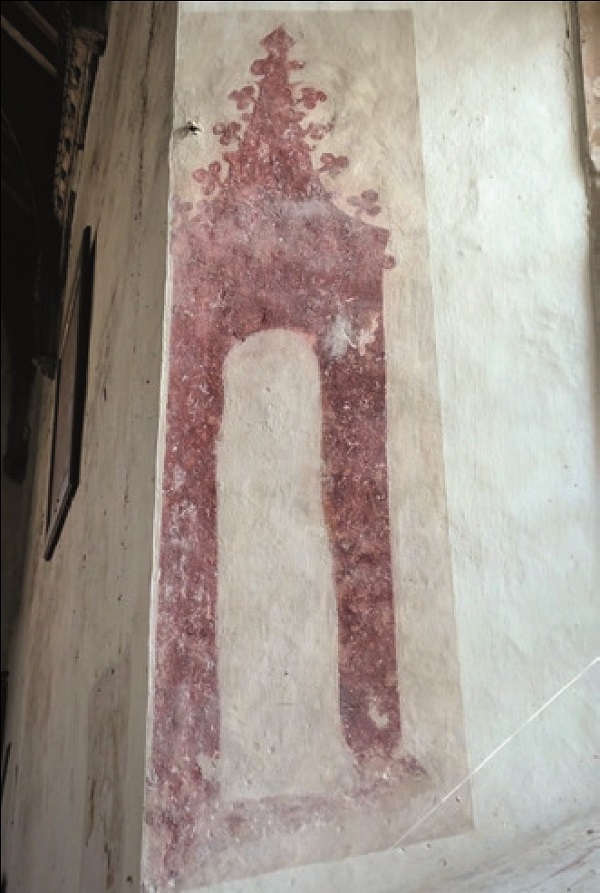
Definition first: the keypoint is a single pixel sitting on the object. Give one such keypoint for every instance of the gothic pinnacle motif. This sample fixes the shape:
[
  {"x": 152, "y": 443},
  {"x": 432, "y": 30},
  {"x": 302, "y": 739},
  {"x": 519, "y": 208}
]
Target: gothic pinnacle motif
[{"x": 272, "y": 145}]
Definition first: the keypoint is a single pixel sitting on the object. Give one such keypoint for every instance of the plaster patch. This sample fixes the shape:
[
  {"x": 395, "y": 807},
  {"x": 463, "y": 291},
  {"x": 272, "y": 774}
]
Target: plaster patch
[
  {"x": 277, "y": 651},
  {"x": 339, "y": 336}
]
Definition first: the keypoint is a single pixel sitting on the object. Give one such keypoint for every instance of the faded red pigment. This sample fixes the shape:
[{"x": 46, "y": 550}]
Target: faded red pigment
[{"x": 266, "y": 247}]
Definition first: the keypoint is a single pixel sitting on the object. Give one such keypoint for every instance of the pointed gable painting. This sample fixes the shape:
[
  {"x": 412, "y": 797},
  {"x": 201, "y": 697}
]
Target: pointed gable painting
[{"x": 283, "y": 640}]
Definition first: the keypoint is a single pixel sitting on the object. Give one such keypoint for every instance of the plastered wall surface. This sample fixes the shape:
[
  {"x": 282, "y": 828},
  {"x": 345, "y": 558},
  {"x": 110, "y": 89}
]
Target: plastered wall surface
[
  {"x": 507, "y": 240},
  {"x": 72, "y": 808},
  {"x": 507, "y": 260},
  {"x": 304, "y": 537}
]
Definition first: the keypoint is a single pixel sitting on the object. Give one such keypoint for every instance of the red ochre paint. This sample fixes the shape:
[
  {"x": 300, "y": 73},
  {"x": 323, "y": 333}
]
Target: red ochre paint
[{"x": 266, "y": 247}]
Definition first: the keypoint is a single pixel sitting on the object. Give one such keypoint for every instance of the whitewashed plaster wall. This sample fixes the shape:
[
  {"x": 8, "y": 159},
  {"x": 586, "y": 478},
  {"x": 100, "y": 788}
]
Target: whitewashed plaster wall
[
  {"x": 508, "y": 263},
  {"x": 72, "y": 810},
  {"x": 508, "y": 246}
]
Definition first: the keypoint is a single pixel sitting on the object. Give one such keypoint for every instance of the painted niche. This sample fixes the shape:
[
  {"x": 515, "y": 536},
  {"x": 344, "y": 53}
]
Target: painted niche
[{"x": 266, "y": 262}]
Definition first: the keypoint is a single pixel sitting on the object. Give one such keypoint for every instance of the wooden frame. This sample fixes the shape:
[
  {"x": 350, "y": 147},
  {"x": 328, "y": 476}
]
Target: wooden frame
[{"x": 69, "y": 406}]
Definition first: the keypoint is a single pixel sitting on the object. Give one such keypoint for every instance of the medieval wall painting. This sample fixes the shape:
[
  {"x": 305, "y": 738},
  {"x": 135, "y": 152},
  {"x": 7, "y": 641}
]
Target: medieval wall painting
[{"x": 306, "y": 702}]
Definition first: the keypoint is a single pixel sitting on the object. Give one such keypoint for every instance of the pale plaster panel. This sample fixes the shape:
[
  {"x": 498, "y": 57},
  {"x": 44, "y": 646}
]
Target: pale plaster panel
[
  {"x": 508, "y": 243},
  {"x": 280, "y": 727},
  {"x": 365, "y": 63}
]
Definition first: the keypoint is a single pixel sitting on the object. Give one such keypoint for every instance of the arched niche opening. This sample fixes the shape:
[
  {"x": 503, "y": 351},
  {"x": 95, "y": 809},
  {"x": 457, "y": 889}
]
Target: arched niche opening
[{"x": 277, "y": 646}]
